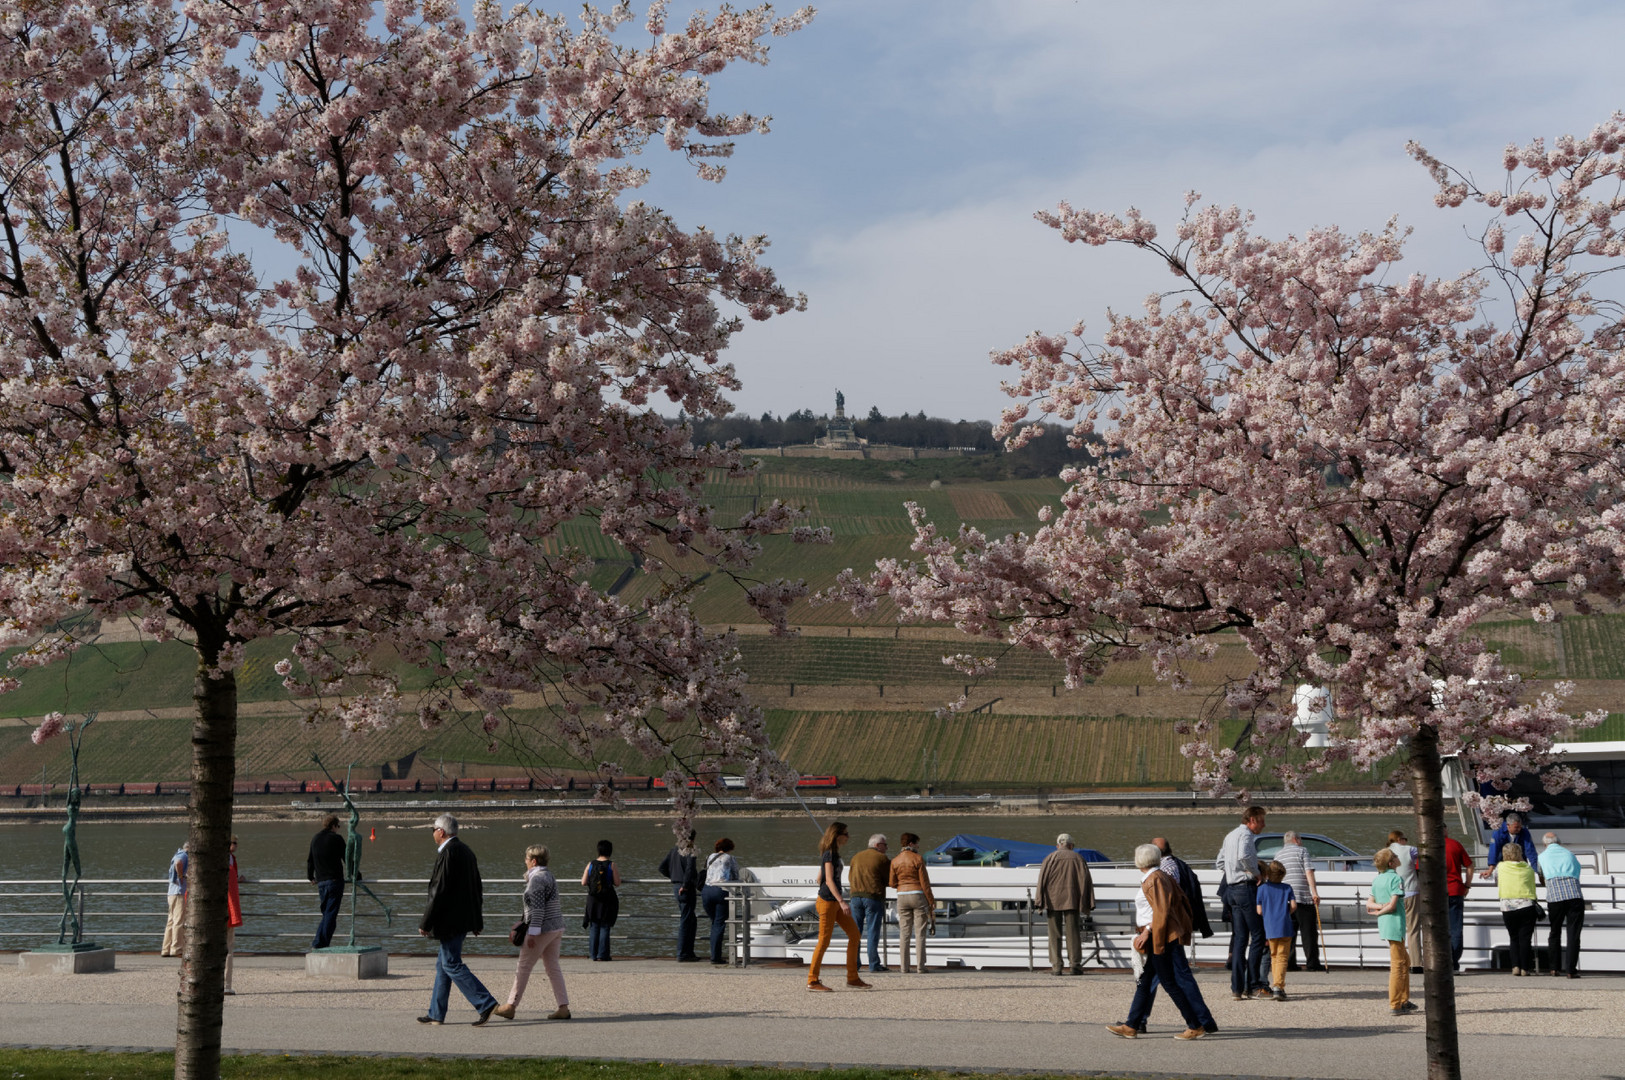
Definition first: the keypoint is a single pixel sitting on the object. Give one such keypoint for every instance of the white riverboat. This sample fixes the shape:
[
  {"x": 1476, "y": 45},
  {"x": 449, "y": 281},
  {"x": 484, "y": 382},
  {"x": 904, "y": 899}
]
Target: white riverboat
[{"x": 986, "y": 917}]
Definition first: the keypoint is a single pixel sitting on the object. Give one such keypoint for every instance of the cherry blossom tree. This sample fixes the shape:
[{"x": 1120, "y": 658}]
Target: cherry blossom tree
[
  {"x": 1346, "y": 467},
  {"x": 319, "y": 318}
]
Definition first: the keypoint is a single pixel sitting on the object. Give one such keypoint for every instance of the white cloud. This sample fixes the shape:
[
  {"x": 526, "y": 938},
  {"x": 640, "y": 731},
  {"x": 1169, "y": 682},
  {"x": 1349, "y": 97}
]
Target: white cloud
[
  {"x": 922, "y": 134},
  {"x": 903, "y": 313}
]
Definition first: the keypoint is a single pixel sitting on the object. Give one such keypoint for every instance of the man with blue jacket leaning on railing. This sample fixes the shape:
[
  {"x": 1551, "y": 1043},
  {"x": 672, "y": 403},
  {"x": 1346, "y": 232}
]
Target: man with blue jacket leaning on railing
[{"x": 1511, "y": 831}]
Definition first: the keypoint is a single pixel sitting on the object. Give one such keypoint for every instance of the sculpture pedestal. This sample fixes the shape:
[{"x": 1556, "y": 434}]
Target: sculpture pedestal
[
  {"x": 84, "y": 958},
  {"x": 348, "y": 962}
]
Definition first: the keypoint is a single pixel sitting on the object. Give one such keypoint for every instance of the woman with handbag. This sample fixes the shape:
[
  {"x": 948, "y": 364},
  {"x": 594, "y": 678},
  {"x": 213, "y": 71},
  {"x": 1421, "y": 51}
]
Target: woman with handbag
[{"x": 538, "y": 936}]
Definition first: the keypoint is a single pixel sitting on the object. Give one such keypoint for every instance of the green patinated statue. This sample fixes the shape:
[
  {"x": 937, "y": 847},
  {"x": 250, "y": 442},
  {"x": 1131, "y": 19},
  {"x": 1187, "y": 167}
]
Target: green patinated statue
[
  {"x": 70, "y": 842},
  {"x": 352, "y": 849}
]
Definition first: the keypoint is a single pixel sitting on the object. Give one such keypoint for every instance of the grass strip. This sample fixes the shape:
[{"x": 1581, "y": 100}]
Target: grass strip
[{"x": 31, "y": 1064}]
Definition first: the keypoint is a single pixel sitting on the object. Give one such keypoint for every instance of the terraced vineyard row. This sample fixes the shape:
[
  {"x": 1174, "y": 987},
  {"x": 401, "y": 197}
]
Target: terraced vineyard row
[
  {"x": 854, "y": 661},
  {"x": 862, "y": 748},
  {"x": 889, "y": 750},
  {"x": 1021, "y": 751},
  {"x": 1594, "y": 646}
]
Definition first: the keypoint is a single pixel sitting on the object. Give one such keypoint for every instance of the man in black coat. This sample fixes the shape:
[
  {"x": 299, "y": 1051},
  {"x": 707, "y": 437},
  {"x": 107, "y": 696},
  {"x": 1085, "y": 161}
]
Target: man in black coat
[
  {"x": 1185, "y": 877},
  {"x": 324, "y": 868},
  {"x": 682, "y": 868},
  {"x": 456, "y": 909}
]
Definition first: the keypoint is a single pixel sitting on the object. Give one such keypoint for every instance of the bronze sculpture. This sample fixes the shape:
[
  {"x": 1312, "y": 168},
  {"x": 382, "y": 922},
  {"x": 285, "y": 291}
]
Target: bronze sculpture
[{"x": 352, "y": 849}]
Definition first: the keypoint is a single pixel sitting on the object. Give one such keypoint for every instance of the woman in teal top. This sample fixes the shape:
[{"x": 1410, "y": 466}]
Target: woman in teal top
[
  {"x": 1387, "y": 903},
  {"x": 1515, "y": 882}
]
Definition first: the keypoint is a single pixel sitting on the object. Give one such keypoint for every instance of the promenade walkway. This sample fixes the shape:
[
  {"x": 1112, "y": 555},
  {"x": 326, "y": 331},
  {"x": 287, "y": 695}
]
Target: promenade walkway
[{"x": 1336, "y": 1025}]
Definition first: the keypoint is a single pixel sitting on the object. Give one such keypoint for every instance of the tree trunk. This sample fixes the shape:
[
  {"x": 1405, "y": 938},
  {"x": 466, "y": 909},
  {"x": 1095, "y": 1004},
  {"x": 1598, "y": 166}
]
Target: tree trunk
[
  {"x": 203, "y": 964},
  {"x": 1427, "y": 791}
]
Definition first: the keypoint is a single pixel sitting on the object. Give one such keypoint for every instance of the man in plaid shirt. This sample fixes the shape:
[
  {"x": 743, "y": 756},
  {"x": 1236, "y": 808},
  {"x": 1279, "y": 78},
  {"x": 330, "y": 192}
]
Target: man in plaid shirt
[{"x": 1565, "y": 906}]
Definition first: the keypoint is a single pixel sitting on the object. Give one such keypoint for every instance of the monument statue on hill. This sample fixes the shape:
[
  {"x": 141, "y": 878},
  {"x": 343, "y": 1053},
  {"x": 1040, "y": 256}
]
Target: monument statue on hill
[{"x": 838, "y": 433}]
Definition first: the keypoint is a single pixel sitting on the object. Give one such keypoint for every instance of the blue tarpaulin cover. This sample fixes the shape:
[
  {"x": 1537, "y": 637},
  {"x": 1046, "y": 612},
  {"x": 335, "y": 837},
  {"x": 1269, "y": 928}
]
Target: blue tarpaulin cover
[{"x": 1021, "y": 853}]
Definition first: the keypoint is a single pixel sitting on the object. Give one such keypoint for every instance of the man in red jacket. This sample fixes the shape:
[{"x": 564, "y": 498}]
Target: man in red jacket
[{"x": 1458, "y": 869}]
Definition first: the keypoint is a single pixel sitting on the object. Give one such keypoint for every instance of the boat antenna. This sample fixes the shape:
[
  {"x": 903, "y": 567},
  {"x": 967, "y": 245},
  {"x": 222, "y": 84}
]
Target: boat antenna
[{"x": 809, "y": 813}]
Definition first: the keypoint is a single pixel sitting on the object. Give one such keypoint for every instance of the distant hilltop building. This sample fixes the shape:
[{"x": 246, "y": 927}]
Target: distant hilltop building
[
  {"x": 840, "y": 440},
  {"x": 839, "y": 434}
]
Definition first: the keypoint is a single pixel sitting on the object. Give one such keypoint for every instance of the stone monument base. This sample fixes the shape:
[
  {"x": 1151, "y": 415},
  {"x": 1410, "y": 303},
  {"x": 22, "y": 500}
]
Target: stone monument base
[
  {"x": 348, "y": 962},
  {"x": 82, "y": 959}
]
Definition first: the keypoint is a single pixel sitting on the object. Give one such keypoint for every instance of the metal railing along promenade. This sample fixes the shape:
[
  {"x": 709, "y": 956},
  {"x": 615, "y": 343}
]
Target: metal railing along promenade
[
  {"x": 280, "y": 915},
  {"x": 976, "y": 924}
]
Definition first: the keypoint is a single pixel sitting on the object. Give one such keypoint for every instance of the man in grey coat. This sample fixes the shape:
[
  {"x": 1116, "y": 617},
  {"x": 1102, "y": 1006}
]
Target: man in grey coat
[{"x": 1066, "y": 893}]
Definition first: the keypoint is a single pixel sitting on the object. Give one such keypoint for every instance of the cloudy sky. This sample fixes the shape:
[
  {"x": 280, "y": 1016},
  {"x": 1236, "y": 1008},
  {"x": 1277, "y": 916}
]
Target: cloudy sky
[{"x": 913, "y": 140}]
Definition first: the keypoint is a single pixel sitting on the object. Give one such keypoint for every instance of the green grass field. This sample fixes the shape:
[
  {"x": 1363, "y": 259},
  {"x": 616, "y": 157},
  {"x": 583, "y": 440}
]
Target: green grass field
[
  {"x": 84, "y": 1065},
  {"x": 135, "y": 675},
  {"x": 864, "y": 512},
  {"x": 883, "y": 751},
  {"x": 861, "y": 502}
]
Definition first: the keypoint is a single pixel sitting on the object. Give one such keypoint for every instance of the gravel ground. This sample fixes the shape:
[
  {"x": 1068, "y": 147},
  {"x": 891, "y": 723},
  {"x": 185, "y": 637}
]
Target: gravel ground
[{"x": 1335, "y": 1025}]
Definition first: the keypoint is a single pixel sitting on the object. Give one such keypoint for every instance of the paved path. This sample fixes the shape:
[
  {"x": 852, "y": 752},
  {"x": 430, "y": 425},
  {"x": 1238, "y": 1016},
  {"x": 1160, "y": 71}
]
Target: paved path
[{"x": 1336, "y": 1026}]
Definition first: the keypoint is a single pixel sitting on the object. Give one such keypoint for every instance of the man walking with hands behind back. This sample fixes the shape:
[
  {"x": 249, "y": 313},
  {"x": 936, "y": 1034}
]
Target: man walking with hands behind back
[
  {"x": 1066, "y": 893},
  {"x": 455, "y": 910},
  {"x": 324, "y": 868}
]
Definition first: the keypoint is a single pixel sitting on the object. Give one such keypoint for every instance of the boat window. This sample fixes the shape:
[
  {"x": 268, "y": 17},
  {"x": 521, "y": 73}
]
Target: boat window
[
  {"x": 1603, "y": 808},
  {"x": 1616, "y": 861},
  {"x": 1587, "y": 861}
]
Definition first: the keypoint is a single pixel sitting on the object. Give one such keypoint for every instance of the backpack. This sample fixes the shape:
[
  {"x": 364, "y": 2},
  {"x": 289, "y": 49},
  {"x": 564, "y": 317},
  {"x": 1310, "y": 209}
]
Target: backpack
[{"x": 603, "y": 904}]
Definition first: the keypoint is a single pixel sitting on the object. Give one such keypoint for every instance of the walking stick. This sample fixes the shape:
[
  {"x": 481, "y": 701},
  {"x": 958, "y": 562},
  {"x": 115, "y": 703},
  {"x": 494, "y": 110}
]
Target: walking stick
[{"x": 1320, "y": 938}]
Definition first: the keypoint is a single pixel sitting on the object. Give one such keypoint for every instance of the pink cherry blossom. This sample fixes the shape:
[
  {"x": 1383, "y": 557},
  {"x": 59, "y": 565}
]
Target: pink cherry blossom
[
  {"x": 320, "y": 320},
  {"x": 52, "y": 725},
  {"x": 1345, "y": 467}
]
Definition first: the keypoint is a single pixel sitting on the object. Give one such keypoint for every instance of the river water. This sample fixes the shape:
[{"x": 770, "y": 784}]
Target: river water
[{"x": 280, "y": 906}]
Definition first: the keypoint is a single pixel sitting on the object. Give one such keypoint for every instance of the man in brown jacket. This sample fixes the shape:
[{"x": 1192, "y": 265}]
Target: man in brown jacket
[
  {"x": 1162, "y": 923},
  {"x": 866, "y": 881},
  {"x": 1065, "y": 893}
]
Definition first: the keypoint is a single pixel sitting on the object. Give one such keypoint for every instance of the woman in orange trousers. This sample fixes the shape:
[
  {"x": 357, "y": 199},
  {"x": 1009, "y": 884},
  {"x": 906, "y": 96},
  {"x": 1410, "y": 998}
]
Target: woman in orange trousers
[{"x": 833, "y": 910}]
